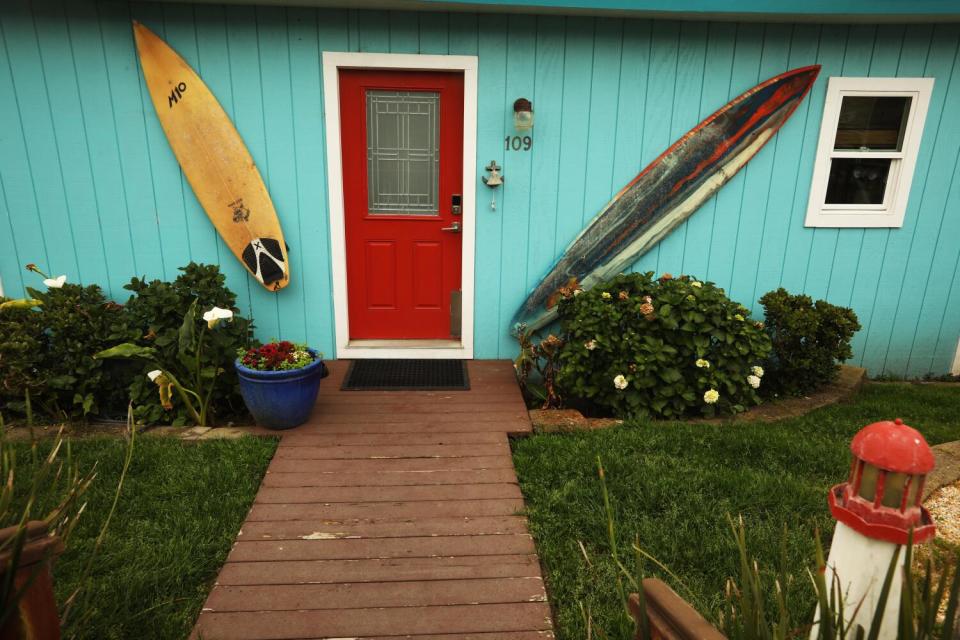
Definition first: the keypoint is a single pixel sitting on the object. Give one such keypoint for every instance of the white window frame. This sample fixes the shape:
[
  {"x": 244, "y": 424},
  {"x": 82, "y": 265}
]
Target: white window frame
[
  {"x": 333, "y": 61},
  {"x": 891, "y": 212}
]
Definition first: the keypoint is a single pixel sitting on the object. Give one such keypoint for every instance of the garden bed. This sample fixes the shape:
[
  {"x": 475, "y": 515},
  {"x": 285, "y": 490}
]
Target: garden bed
[
  {"x": 673, "y": 485},
  {"x": 178, "y": 515},
  {"x": 848, "y": 383}
]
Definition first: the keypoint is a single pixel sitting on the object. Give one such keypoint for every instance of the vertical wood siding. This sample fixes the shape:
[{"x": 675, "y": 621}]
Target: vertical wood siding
[{"x": 89, "y": 187}]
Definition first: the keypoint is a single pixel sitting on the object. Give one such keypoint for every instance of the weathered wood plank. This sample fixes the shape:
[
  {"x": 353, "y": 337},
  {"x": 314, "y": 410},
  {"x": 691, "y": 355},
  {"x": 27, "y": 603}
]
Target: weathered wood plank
[
  {"x": 383, "y": 528},
  {"x": 515, "y": 635},
  {"x": 306, "y": 495},
  {"x": 376, "y": 452},
  {"x": 277, "y": 478},
  {"x": 341, "y": 405},
  {"x": 392, "y": 464},
  {"x": 457, "y": 619},
  {"x": 384, "y": 594},
  {"x": 359, "y": 549},
  {"x": 424, "y": 414},
  {"x": 319, "y": 439},
  {"x": 384, "y": 510},
  {"x": 433, "y": 424},
  {"x": 379, "y": 570}
]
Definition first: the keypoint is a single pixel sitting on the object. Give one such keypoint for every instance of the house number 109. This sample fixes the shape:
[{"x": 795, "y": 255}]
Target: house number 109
[{"x": 516, "y": 143}]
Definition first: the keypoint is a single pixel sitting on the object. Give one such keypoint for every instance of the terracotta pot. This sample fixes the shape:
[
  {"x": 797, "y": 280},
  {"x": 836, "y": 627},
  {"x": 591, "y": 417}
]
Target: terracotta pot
[{"x": 35, "y": 615}]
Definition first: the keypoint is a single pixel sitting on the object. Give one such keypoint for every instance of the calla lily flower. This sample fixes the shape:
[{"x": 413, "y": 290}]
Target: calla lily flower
[
  {"x": 215, "y": 315},
  {"x": 55, "y": 283}
]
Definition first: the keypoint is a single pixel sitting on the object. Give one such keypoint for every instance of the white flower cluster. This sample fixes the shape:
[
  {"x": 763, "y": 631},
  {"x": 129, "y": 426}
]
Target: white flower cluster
[
  {"x": 620, "y": 382},
  {"x": 754, "y": 378}
]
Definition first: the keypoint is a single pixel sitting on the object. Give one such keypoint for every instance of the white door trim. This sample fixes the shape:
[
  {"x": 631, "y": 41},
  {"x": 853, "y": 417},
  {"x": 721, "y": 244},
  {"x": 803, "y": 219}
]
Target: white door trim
[{"x": 332, "y": 63}]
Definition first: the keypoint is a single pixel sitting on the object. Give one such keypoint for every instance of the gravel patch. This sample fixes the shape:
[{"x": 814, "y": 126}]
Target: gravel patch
[{"x": 944, "y": 506}]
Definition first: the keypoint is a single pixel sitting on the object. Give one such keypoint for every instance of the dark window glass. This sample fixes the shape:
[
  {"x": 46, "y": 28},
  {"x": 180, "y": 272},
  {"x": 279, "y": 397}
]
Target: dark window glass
[
  {"x": 857, "y": 180},
  {"x": 872, "y": 123}
]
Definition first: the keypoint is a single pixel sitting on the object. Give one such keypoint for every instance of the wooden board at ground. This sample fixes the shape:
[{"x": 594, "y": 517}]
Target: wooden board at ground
[{"x": 215, "y": 161}]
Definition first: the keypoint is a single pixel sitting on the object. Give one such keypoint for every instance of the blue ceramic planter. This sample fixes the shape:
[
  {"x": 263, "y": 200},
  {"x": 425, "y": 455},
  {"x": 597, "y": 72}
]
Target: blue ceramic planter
[{"x": 281, "y": 399}]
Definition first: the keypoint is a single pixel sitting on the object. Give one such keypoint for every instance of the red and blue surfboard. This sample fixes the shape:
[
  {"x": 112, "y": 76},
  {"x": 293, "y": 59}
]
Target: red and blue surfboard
[{"x": 669, "y": 190}]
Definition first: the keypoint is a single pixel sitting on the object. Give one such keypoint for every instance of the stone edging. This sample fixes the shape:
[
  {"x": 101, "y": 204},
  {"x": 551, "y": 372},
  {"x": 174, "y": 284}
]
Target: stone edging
[{"x": 947, "y": 469}]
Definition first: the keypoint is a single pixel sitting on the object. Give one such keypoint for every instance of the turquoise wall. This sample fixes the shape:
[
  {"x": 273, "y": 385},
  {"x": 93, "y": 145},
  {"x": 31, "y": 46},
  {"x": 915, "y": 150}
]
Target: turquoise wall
[{"x": 89, "y": 187}]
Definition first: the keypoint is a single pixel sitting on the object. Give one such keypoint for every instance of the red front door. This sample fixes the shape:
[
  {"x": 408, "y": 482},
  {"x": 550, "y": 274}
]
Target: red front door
[{"x": 402, "y": 144}]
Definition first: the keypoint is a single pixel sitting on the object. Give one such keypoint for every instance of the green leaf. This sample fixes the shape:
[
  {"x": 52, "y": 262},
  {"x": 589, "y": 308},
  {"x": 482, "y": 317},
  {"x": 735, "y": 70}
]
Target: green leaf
[
  {"x": 86, "y": 402},
  {"x": 64, "y": 381},
  {"x": 126, "y": 350},
  {"x": 670, "y": 375},
  {"x": 188, "y": 329},
  {"x": 23, "y": 303}
]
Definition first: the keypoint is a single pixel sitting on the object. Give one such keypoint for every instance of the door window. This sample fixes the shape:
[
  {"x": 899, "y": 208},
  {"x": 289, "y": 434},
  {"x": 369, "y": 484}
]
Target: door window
[{"x": 403, "y": 152}]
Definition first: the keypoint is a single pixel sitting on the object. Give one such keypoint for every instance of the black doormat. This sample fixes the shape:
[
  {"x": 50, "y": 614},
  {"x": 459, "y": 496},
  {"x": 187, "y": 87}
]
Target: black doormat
[{"x": 400, "y": 375}]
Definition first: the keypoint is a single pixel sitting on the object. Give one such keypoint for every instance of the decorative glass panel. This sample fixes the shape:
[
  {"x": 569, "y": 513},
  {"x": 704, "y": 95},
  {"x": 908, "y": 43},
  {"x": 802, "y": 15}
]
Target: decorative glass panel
[
  {"x": 868, "y": 482},
  {"x": 403, "y": 152},
  {"x": 893, "y": 490},
  {"x": 915, "y": 482},
  {"x": 872, "y": 123},
  {"x": 857, "y": 180}
]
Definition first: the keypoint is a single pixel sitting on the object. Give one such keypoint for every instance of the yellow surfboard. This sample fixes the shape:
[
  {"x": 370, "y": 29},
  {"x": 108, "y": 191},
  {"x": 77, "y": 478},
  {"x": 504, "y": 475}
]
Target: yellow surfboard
[{"x": 215, "y": 161}]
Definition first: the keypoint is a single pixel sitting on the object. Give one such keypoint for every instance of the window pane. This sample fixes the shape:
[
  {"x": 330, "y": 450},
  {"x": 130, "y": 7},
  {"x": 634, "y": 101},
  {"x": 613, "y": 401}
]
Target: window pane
[
  {"x": 403, "y": 152},
  {"x": 893, "y": 490},
  {"x": 857, "y": 180},
  {"x": 872, "y": 123}
]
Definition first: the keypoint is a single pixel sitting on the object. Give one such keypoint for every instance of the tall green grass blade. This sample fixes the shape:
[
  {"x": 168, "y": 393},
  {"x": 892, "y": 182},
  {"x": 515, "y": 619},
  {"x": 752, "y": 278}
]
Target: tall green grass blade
[
  {"x": 824, "y": 595},
  {"x": 950, "y": 618},
  {"x": 88, "y": 567}
]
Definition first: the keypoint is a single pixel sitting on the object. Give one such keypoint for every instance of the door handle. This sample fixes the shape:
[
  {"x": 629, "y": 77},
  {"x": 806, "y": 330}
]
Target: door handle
[{"x": 453, "y": 228}]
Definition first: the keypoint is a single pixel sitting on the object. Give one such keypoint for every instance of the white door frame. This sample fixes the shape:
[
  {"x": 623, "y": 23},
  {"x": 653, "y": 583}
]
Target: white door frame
[{"x": 332, "y": 63}]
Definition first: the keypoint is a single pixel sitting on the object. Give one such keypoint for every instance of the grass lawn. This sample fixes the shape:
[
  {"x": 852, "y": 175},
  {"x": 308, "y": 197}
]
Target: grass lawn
[
  {"x": 673, "y": 484},
  {"x": 181, "y": 507}
]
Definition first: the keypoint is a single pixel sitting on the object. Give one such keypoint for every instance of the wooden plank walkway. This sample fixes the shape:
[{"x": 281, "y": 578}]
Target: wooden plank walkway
[{"x": 389, "y": 515}]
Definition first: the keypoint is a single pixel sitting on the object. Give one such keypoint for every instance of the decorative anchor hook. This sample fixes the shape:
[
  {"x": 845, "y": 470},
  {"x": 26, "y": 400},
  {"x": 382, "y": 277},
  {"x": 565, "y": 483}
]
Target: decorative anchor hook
[{"x": 493, "y": 180}]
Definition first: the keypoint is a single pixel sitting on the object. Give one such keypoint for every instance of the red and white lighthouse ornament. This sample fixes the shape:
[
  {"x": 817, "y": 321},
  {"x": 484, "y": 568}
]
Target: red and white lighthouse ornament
[{"x": 876, "y": 509}]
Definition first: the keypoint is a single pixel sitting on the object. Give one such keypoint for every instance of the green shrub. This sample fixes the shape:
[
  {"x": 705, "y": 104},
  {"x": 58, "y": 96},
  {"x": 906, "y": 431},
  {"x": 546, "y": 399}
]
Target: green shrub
[
  {"x": 47, "y": 344},
  {"x": 666, "y": 348},
  {"x": 48, "y": 349},
  {"x": 22, "y": 346},
  {"x": 156, "y": 310},
  {"x": 809, "y": 340}
]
